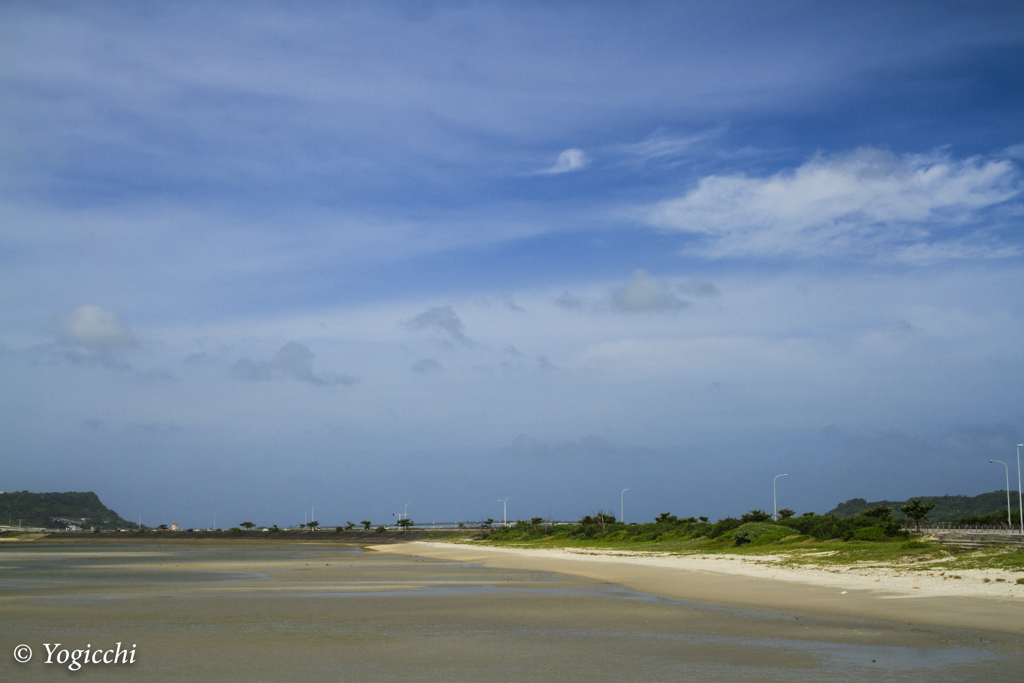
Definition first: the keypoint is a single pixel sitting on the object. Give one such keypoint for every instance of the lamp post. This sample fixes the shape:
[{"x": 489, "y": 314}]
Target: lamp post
[
  {"x": 622, "y": 508},
  {"x": 775, "y": 504},
  {"x": 504, "y": 509},
  {"x": 1009, "y": 520},
  {"x": 1020, "y": 511}
]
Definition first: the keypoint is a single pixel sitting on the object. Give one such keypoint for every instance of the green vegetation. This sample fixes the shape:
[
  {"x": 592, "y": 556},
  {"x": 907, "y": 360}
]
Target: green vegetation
[
  {"x": 916, "y": 510},
  {"x": 46, "y": 509},
  {"x": 754, "y": 527},
  {"x": 873, "y": 538},
  {"x": 987, "y": 508},
  {"x": 366, "y": 524}
]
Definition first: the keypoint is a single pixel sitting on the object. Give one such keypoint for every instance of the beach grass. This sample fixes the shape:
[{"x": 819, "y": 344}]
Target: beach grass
[{"x": 912, "y": 555}]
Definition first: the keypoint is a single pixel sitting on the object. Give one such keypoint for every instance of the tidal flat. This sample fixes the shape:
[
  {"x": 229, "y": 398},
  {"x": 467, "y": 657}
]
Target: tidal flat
[{"x": 291, "y": 611}]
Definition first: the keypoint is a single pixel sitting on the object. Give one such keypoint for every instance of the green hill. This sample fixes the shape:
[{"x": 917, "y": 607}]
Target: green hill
[
  {"x": 59, "y": 510},
  {"x": 947, "y": 508}
]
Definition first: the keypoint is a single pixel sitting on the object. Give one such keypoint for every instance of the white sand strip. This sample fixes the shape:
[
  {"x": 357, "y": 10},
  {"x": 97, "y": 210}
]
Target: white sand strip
[{"x": 913, "y": 597}]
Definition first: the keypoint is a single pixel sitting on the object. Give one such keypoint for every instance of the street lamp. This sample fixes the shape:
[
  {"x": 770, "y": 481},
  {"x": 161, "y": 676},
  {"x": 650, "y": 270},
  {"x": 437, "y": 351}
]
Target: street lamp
[
  {"x": 622, "y": 509},
  {"x": 775, "y": 504},
  {"x": 1020, "y": 511},
  {"x": 504, "y": 509},
  {"x": 1009, "y": 520}
]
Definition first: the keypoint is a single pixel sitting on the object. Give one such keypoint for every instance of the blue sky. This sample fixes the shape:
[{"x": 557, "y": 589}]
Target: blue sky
[{"x": 356, "y": 256}]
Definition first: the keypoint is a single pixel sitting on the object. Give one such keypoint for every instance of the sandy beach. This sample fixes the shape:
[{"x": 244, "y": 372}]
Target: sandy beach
[
  {"x": 899, "y": 595},
  {"x": 444, "y": 612}
]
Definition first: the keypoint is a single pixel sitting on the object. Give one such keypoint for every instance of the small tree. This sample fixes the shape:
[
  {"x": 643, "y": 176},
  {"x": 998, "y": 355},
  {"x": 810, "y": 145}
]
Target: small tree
[
  {"x": 786, "y": 513},
  {"x": 878, "y": 512},
  {"x": 405, "y": 524},
  {"x": 274, "y": 529},
  {"x": 916, "y": 510},
  {"x": 535, "y": 521},
  {"x": 248, "y": 525},
  {"x": 162, "y": 527},
  {"x": 755, "y": 516},
  {"x": 349, "y": 526},
  {"x": 704, "y": 519},
  {"x": 312, "y": 525},
  {"x": 366, "y": 524}
]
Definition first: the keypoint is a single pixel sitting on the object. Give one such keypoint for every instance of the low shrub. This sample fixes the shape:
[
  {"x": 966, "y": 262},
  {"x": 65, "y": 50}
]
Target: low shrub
[
  {"x": 914, "y": 545},
  {"x": 750, "y": 531},
  {"x": 772, "y": 536},
  {"x": 868, "y": 533}
]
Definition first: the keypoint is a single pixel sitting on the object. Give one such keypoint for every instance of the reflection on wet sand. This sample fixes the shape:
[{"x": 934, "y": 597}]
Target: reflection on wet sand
[{"x": 283, "y": 612}]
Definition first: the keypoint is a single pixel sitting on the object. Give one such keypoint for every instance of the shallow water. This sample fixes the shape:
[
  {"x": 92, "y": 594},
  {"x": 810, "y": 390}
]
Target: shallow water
[{"x": 283, "y": 612}]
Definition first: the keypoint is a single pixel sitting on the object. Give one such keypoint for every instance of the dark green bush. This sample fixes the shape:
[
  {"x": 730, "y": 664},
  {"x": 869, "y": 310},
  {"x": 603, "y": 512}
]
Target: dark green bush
[{"x": 764, "y": 532}]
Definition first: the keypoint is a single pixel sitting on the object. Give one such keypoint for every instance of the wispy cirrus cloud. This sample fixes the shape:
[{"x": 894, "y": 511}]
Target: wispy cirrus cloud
[
  {"x": 569, "y": 160},
  {"x": 866, "y": 202},
  {"x": 663, "y": 148}
]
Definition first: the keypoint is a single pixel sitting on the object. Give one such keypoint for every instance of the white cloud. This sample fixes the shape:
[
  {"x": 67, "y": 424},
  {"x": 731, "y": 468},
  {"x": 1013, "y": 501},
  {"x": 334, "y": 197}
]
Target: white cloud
[
  {"x": 645, "y": 293},
  {"x": 854, "y": 203},
  {"x": 569, "y": 160},
  {"x": 92, "y": 327},
  {"x": 663, "y": 148}
]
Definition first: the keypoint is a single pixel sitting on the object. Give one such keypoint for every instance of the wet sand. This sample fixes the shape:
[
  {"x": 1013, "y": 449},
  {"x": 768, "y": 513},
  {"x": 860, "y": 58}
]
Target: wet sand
[
  {"x": 332, "y": 613},
  {"x": 730, "y": 580}
]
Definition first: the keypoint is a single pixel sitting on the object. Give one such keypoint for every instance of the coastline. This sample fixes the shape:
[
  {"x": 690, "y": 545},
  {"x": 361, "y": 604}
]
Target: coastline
[{"x": 758, "y": 583}]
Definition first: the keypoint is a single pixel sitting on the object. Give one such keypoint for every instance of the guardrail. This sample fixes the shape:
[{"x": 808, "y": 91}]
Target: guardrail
[{"x": 962, "y": 528}]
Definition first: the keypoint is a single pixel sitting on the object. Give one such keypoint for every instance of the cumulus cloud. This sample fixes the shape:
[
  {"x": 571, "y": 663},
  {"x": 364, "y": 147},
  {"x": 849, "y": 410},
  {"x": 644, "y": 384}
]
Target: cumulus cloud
[
  {"x": 569, "y": 160},
  {"x": 645, "y": 293},
  {"x": 294, "y": 360},
  {"x": 858, "y": 202},
  {"x": 89, "y": 326},
  {"x": 425, "y": 366},
  {"x": 91, "y": 335},
  {"x": 442, "y": 318}
]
